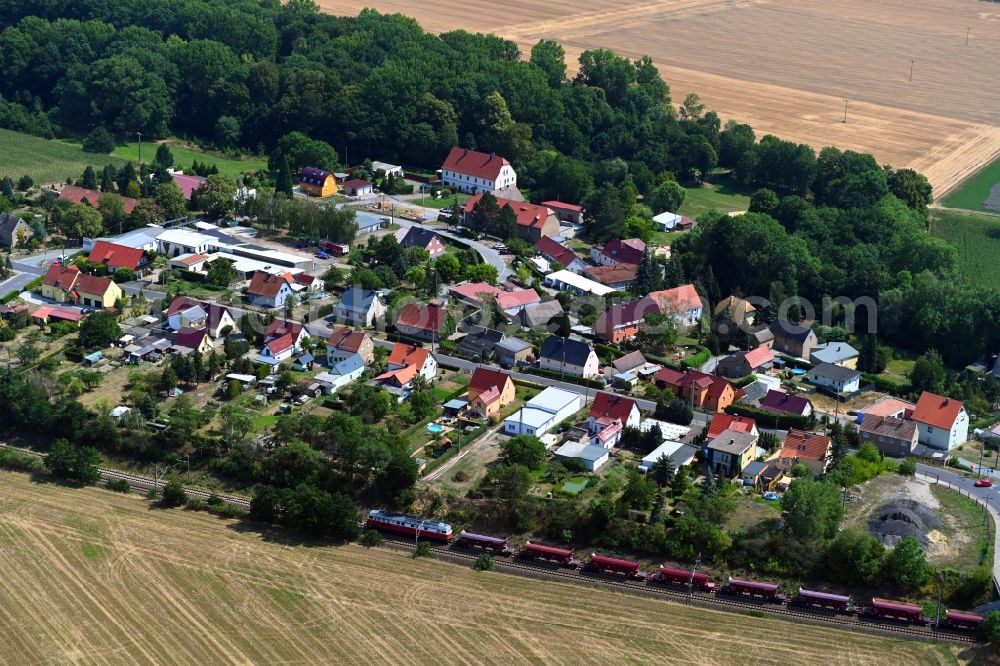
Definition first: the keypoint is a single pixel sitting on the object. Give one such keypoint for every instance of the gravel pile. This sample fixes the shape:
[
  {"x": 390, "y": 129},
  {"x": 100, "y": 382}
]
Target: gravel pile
[{"x": 902, "y": 518}]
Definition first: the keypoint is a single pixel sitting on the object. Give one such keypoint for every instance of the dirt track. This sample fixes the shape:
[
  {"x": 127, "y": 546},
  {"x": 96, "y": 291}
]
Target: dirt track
[
  {"x": 93, "y": 577},
  {"x": 785, "y": 66}
]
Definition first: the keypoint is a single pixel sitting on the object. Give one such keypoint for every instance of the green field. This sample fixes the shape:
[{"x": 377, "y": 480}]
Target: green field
[
  {"x": 185, "y": 156},
  {"x": 977, "y": 237},
  {"x": 721, "y": 194},
  {"x": 973, "y": 192},
  {"x": 44, "y": 160}
]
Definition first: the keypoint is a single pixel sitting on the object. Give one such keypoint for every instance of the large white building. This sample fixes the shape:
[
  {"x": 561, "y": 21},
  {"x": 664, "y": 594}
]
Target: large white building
[
  {"x": 543, "y": 412},
  {"x": 473, "y": 172}
]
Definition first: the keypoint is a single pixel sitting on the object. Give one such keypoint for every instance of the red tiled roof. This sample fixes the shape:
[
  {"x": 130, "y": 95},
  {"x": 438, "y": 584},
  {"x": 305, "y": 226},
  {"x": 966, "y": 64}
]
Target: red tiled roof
[
  {"x": 403, "y": 354},
  {"x": 280, "y": 344},
  {"x": 214, "y": 310},
  {"x": 91, "y": 284},
  {"x": 678, "y": 299},
  {"x": 188, "y": 184},
  {"x": 555, "y": 251},
  {"x": 115, "y": 256},
  {"x": 489, "y": 396},
  {"x": 562, "y": 206},
  {"x": 471, "y": 290},
  {"x": 628, "y": 251},
  {"x": 402, "y": 375},
  {"x": 346, "y": 339},
  {"x": 485, "y": 378},
  {"x": 190, "y": 260},
  {"x": 889, "y": 406},
  {"x": 808, "y": 445},
  {"x": 759, "y": 356},
  {"x": 721, "y": 422},
  {"x": 937, "y": 410},
  {"x": 61, "y": 276},
  {"x": 776, "y": 401},
  {"x": 528, "y": 214},
  {"x": 612, "y": 274},
  {"x": 513, "y": 299},
  {"x": 474, "y": 163},
  {"x": 268, "y": 284},
  {"x": 609, "y": 405},
  {"x": 669, "y": 376},
  {"x": 93, "y": 197},
  {"x": 279, "y": 327},
  {"x": 422, "y": 317},
  {"x": 304, "y": 279},
  {"x": 47, "y": 311},
  {"x": 190, "y": 337}
]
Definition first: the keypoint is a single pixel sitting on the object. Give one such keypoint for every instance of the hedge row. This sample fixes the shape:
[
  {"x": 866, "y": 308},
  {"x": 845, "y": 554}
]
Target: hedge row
[
  {"x": 698, "y": 359},
  {"x": 572, "y": 379},
  {"x": 885, "y": 385},
  {"x": 766, "y": 419}
]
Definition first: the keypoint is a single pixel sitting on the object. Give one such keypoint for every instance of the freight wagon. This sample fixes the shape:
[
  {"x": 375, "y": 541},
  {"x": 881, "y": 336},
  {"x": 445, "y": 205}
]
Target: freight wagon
[
  {"x": 698, "y": 581},
  {"x": 537, "y": 551},
  {"x": 888, "y": 609},
  {"x": 605, "y": 564},
  {"x": 752, "y": 588},
  {"x": 826, "y": 600},
  {"x": 496, "y": 545},
  {"x": 962, "y": 620}
]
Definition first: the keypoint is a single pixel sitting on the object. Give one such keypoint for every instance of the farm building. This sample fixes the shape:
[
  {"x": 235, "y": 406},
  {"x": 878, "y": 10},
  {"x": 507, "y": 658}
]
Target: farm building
[
  {"x": 317, "y": 182},
  {"x": 543, "y": 412},
  {"x": 473, "y": 172}
]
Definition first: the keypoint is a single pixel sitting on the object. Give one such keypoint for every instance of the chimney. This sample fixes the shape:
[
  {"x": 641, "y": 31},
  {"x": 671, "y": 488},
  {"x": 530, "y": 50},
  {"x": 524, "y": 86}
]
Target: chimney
[{"x": 492, "y": 155}]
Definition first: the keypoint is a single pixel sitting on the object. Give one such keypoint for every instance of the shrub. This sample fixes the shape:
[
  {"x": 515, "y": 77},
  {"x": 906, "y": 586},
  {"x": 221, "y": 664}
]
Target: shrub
[
  {"x": 484, "y": 563},
  {"x": 173, "y": 493},
  {"x": 423, "y": 549},
  {"x": 20, "y": 461},
  {"x": 372, "y": 539},
  {"x": 119, "y": 486},
  {"x": 99, "y": 141},
  {"x": 196, "y": 504}
]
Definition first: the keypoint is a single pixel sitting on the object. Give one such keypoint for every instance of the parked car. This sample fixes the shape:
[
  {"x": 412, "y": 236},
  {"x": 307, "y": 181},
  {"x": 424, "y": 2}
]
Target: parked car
[
  {"x": 983, "y": 483},
  {"x": 322, "y": 254},
  {"x": 445, "y": 211}
]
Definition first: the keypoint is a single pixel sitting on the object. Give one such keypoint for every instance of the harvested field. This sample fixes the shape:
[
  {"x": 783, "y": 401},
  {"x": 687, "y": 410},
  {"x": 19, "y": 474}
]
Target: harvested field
[
  {"x": 102, "y": 579},
  {"x": 786, "y": 66}
]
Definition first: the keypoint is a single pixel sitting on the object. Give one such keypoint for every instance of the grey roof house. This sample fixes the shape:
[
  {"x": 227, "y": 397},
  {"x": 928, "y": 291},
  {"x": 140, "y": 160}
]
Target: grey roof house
[
  {"x": 480, "y": 342},
  {"x": 538, "y": 316},
  {"x": 512, "y": 351},
  {"x": 573, "y": 357},
  {"x": 835, "y": 377},
  {"x": 837, "y": 353},
  {"x": 12, "y": 230},
  {"x": 359, "y": 307}
]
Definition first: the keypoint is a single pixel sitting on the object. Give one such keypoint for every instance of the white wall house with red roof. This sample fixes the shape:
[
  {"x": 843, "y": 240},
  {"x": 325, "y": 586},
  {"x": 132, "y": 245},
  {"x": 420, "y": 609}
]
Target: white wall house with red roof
[
  {"x": 942, "y": 423},
  {"x": 473, "y": 172}
]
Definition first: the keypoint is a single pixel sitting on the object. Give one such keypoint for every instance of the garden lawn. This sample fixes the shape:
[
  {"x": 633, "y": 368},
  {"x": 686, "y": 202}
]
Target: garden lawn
[
  {"x": 973, "y": 192},
  {"x": 977, "y": 237},
  {"x": 184, "y": 156},
  {"x": 443, "y": 202},
  {"x": 722, "y": 194},
  {"x": 44, "y": 160}
]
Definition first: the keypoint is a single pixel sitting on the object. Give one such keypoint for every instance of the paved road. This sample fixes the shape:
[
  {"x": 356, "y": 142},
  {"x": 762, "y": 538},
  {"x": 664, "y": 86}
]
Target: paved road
[{"x": 29, "y": 268}]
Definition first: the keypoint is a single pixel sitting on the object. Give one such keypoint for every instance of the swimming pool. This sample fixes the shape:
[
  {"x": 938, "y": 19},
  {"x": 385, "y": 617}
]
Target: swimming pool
[
  {"x": 798, "y": 371},
  {"x": 434, "y": 427}
]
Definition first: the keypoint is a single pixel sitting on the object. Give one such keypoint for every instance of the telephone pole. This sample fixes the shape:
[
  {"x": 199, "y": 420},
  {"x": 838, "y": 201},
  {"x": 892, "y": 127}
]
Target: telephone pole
[
  {"x": 911, "y": 69},
  {"x": 967, "y": 31},
  {"x": 139, "y": 134},
  {"x": 845, "y": 112}
]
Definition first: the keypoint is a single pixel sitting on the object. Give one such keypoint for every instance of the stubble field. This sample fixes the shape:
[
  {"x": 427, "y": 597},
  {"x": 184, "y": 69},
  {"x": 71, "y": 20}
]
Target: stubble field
[
  {"x": 786, "y": 66},
  {"x": 92, "y": 577}
]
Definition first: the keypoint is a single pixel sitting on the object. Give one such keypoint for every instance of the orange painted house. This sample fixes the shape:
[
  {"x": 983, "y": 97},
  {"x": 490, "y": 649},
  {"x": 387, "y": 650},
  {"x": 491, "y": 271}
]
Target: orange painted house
[
  {"x": 490, "y": 391},
  {"x": 700, "y": 390}
]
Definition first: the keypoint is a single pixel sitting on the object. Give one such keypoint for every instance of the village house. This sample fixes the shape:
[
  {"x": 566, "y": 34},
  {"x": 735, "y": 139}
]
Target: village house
[
  {"x": 569, "y": 213},
  {"x": 534, "y": 222},
  {"x": 510, "y": 301},
  {"x": 570, "y": 356},
  {"x": 307, "y": 283},
  {"x": 730, "y": 452},
  {"x": 722, "y": 421},
  {"x": 282, "y": 340},
  {"x": 621, "y": 322},
  {"x": 942, "y": 423},
  {"x": 473, "y": 172},
  {"x": 783, "y": 403},
  {"x": 66, "y": 284},
  {"x": 480, "y": 342},
  {"x": 341, "y": 373},
  {"x": 837, "y": 378},
  {"x": 345, "y": 342},
  {"x": 489, "y": 392},
  {"x": 406, "y": 362},
  {"x": 672, "y": 222},
  {"x": 317, "y": 182},
  {"x": 760, "y": 336},
  {"x": 892, "y": 436},
  {"x": 359, "y": 307},
  {"x": 537, "y": 317},
  {"x": 512, "y": 351},
  {"x": 184, "y": 312},
  {"x": 794, "y": 340},
  {"x": 737, "y": 311},
  {"x": 270, "y": 290},
  {"x": 118, "y": 256},
  {"x": 423, "y": 321},
  {"x": 560, "y": 254},
  {"x": 889, "y": 406},
  {"x": 633, "y": 361},
  {"x": 193, "y": 262},
  {"x": 811, "y": 449},
  {"x": 14, "y": 232},
  {"x": 745, "y": 363},
  {"x": 357, "y": 187},
  {"x": 836, "y": 353},
  {"x": 188, "y": 184},
  {"x": 698, "y": 389},
  {"x": 619, "y": 277},
  {"x": 189, "y": 340},
  {"x": 425, "y": 239},
  {"x": 609, "y": 415},
  {"x": 617, "y": 251},
  {"x": 92, "y": 198}
]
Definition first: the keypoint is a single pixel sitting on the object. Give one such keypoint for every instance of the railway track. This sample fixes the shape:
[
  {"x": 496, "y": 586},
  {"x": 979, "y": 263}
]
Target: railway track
[{"x": 701, "y": 599}]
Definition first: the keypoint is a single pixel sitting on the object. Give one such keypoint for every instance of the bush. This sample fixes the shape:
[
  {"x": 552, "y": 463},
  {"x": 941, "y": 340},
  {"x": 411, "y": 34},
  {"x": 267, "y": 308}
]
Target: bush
[
  {"x": 173, "y": 493},
  {"x": 484, "y": 563},
  {"x": 908, "y": 467},
  {"x": 372, "y": 539},
  {"x": 196, "y": 504},
  {"x": 20, "y": 461},
  {"x": 423, "y": 549},
  {"x": 119, "y": 486},
  {"x": 99, "y": 141},
  {"x": 698, "y": 359},
  {"x": 215, "y": 500}
]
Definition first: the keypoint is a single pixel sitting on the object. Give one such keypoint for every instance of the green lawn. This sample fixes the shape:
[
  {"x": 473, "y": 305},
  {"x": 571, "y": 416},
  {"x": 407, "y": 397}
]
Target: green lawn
[
  {"x": 185, "y": 156},
  {"x": 443, "y": 202},
  {"x": 45, "y": 161},
  {"x": 723, "y": 194},
  {"x": 973, "y": 192},
  {"x": 977, "y": 237}
]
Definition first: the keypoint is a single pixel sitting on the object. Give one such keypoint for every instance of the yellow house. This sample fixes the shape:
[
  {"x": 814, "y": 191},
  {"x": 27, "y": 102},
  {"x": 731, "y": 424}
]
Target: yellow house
[
  {"x": 66, "y": 284},
  {"x": 490, "y": 391},
  {"x": 317, "y": 183}
]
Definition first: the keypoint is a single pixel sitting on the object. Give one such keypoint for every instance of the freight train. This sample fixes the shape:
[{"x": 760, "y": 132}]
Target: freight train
[{"x": 879, "y": 610}]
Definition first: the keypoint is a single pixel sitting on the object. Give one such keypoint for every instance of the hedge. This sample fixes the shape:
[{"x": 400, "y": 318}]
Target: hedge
[
  {"x": 20, "y": 461},
  {"x": 885, "y": 385},
  {"x": 572, "y": 379},
  {"x": 698, "y": 359},
  {"x": 766, "y": 419}
]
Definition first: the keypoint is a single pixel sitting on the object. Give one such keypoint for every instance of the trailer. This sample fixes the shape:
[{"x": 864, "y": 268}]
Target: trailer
[
  {"x": 837, "y": 602},
  {"x": 537, "y": 551},
  {"x": 962, "y": 620},
  {"x": 336, "y": 249},
  {"x": 605, "y": 564},
  {"x": 753, "y": 588},
  {"x": 697, "y": 580},
  {"x": 496, "y": 545},
  {"x": 887, "y": 609}
]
